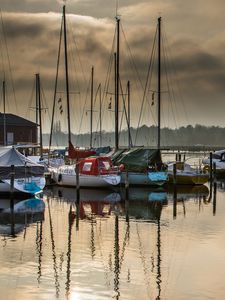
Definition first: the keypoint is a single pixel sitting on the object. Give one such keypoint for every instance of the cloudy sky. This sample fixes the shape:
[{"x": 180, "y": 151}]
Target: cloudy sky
[{"x": 193, "y": 50}]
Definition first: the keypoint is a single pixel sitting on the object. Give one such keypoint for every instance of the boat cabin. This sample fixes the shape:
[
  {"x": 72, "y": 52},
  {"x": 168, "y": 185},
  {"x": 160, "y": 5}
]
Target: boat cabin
[
  {"x": 219, "y": 155},
  {"x": 100, "y": 165}
]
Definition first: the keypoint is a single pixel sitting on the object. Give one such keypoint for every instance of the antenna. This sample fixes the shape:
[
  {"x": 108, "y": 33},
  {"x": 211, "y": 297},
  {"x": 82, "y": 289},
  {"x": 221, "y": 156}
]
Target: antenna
[{"x": 117, "y": 7}]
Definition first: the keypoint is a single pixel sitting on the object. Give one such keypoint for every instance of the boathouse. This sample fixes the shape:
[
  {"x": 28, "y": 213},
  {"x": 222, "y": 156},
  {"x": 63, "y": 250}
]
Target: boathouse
[{"x": 17, "y": 130}]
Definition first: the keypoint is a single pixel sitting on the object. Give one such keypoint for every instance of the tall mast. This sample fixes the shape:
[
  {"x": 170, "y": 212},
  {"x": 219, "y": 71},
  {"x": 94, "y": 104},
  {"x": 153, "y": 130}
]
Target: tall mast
[
  {"x": 159, "y": 80},
  {"x": 38, "y": 96},
  {"x": 91, "y": 118},
  {"x": 128, "y": 113},
  {"x": 100, "y": 113},
  {"x": 55, "y": 90},
  {"x": 4, "y": 117},
  {"x": 117, "y": 69},
  {"x": 67, "y": 76}
]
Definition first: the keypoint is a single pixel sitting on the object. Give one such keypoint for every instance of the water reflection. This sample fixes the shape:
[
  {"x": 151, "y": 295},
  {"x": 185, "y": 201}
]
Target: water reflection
[
  {"x": 107, "y": 244},
  {"x": 16, "y": 215}
]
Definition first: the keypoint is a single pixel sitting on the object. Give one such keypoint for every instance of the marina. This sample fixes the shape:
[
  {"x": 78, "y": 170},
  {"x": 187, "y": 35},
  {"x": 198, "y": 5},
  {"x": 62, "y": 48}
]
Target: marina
[{"x": 112, "y": 150}]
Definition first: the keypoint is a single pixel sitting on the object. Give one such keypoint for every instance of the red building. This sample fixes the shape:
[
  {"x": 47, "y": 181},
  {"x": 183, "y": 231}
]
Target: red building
[{"x": 18, "y": 130}]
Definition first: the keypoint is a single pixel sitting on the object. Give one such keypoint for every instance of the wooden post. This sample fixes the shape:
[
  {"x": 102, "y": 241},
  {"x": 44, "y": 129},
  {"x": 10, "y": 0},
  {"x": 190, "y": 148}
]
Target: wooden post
[
  {"x": 214, "y": 198},
  {"x": 211, "y": 166},
  {"x": 179, "y": 157},
  {"x": 214, "y": 170},
  {"x": 174, "y": 174}
]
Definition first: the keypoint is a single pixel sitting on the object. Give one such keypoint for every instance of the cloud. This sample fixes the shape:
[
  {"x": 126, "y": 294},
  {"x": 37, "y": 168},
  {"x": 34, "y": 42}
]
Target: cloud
[{"x": 193, "y": 43}]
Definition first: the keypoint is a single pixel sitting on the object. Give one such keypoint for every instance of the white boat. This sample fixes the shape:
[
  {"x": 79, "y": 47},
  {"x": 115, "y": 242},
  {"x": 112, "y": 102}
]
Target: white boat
[
  {"x": 218, "y": 158},
  {"x": 186, "y": 174},
  {"x": 28, "y": 176},
  {"x": 94, "y": 172}
]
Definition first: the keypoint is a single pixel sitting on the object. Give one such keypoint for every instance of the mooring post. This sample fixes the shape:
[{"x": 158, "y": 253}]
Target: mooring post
[
  {"x": 214, "y": 170},
  {"x": 214, "y": 198},
  {"x": 174, "y": 201},
  {"x": 175, "y": 174},
  {"x": 210, "y": 166},
  {"x": 174, "y": 191},
  {"x": 179, "y": 157}
]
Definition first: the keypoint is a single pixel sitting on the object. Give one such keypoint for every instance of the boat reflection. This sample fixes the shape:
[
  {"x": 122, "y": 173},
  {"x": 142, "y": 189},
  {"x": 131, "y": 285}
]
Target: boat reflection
[{"x": 16, "y": 215}]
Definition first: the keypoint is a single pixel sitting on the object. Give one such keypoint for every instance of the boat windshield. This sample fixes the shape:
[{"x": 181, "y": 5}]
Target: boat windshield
[{"x": 104, "y": 165}]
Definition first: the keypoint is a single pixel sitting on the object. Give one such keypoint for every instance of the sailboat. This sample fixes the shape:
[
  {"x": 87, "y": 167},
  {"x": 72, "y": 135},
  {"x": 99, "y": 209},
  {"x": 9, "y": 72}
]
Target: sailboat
[
  {"x": 218, "y": 158},
  {"x": 94, "y": 171},
  {"x": 28, "y": 177},
  {"x": 139, "y": 165}
]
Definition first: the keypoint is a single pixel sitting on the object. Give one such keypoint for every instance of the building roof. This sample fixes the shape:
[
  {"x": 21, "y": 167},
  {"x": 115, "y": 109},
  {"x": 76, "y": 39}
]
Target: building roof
[{"x": 15, "y": 120}]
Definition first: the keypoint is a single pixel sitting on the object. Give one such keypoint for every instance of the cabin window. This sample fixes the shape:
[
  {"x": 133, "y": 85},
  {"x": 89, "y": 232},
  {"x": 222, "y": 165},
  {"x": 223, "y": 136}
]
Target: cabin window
[
  {"x": 104, "y": 165},
  {"x": 87, "y": 166}
]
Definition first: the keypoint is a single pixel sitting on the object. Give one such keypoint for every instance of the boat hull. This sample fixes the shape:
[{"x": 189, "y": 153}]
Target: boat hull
[
  {"x": 144, "y": 179},
  {"x": 27, "y": 186},
  {"x": 88, "y": 181},
  {"x": 189, "y": 179}
]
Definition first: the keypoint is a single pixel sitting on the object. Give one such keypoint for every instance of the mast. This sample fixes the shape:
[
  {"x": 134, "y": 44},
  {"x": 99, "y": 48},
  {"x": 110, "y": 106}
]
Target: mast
[
  {"x": 159, "y": 79},
  {"x": 67, "y": 75},
  {"x": 4, "y": 116},
  {"x": 91, "y": 118},
  {"x": 38, "y": 99},
  {"x": 100, "y": 113},
  {"x": 128, "y": 113},
  {"x": 55, "y": 90},
  {"x": 117, "y": 71}
]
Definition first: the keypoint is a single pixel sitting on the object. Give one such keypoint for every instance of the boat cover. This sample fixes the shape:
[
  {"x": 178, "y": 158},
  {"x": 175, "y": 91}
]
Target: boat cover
[
  {"x": 137, "y": 159},
  {"x": 23, "y": 167}
]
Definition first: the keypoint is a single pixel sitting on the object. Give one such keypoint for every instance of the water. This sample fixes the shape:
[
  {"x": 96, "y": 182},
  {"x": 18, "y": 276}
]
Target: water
[{"x": 150, "y": 247}]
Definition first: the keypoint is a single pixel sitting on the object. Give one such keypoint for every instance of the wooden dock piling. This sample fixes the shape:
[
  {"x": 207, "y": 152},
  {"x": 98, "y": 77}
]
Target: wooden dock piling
[{"x": 214, "y": 198}]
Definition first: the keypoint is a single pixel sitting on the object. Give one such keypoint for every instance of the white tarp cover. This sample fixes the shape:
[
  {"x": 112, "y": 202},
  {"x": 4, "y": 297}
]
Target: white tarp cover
[{"x": 23, "y": 166}]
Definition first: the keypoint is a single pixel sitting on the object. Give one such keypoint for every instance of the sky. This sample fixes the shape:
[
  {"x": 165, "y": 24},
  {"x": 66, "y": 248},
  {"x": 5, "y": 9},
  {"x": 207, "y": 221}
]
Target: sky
[{"x": 193, "y": 53}]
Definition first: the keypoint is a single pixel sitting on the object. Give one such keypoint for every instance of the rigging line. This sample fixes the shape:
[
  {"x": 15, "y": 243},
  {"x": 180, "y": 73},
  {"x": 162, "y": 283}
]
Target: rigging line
[
  {"x": 146, "y": 84},
  {"x": 31, "y": 98},
  {"x": 2, "y": 56},
  {"x": 171, "y": 91},
  {"x": 177, "y": 80},
  {"x": 56, "y": 85},
  {"x": 132, "y": 58},
  {"x": 98, "y": 120},
  {"x": 82, "y": 116},
  {"x": 171, "y": 98},
  {"x": 44, "y": 103},
  {"x": 10, "y": 69},
  {"x": 109, "y": 68},
  {"x": 77, "y": 50}
]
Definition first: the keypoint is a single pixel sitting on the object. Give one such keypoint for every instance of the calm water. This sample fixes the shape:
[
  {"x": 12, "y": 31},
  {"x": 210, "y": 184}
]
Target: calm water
[{"x": 105, "y": 247}]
